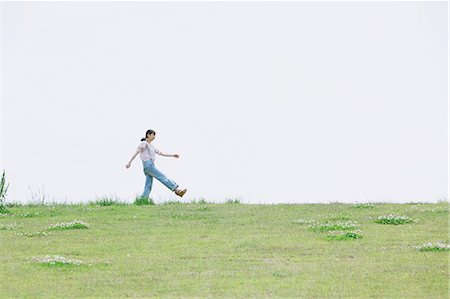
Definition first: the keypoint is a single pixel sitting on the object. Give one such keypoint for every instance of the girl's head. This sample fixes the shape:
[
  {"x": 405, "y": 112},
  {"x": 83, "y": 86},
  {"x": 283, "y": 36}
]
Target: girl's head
[{"x": 150, "y": 135}]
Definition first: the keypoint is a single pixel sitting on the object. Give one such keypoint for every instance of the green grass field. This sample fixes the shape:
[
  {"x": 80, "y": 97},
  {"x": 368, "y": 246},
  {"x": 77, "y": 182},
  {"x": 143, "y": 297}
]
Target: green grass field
[{"x": 225, "y": 250}]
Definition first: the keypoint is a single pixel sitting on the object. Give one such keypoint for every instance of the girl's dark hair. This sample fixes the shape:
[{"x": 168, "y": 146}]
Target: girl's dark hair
[{"x": 149, "y": 132}]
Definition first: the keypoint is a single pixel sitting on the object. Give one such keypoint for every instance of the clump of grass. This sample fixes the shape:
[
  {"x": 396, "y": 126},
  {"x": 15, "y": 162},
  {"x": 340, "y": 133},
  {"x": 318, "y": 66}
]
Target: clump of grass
[
  {"x": 330, "y": 226},
  {"x": 33, "y": 234},
  {"x": 200, "y": 201},
  {"x": 363, "y": 206},
  {"x": 108, "y": 201},
  {"x": 8, "y": 226},
  {"x": 142, "y": 201},
  {"x": 438, "y": 246},
  {"x": 394, "y": 219},
  {"x": 338, "y": 217},
  {"x": 341, "y": 236},
  {"x": 3, "y": 191},
  {"x": 279, "y": 274},
  {"x": 13, "y": 204},
  {"x": 233, "y": 201},
  {"x": 76, "y": 224},
  {"x": 38, "y": 197},
  {"x": 56, "y": 260}
]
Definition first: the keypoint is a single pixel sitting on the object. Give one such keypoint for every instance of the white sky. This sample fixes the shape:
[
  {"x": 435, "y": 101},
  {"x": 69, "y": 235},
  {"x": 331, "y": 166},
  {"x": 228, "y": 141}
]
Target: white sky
[{"x": 269, "y": 102}]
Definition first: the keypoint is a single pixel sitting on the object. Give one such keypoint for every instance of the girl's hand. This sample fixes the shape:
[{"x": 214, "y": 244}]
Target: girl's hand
[
  {"x": 176, "y": 156},
  {"x": 128, "y": 165}
]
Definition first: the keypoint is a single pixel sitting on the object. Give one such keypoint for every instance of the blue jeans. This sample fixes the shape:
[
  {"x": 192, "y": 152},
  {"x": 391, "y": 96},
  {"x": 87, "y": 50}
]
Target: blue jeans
[{"x": 151, "y": 172}]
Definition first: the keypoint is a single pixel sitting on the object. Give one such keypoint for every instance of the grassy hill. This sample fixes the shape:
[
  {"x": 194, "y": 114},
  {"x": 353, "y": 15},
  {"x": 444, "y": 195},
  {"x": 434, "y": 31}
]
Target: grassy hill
[{"x": 225, "y": 250}]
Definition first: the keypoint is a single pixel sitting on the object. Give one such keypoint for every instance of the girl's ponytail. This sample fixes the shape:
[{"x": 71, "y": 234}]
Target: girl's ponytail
[{"x": 142, "y": 139}]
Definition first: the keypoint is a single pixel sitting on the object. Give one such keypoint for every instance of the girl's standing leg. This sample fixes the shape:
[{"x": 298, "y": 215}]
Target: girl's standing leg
[
  {"x": 148, "y": 185},
  {"x": 151, "y": 170}
]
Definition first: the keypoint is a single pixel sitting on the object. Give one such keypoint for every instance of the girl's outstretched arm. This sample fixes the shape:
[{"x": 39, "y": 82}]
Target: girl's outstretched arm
[
  {"x": 168, "y": 155},
  {"x": 131, "y": 160}
]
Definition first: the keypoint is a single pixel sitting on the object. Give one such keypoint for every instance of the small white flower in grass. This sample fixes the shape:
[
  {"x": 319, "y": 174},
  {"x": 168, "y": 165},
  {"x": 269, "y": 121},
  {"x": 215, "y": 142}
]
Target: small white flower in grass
[
  {"x": 337, "y": 225},
  {"x": 438, "y": 246},
  {"x": 8, "y": 226},
  {"x": 57, "y": 260},
  {"x": 76, "y": 224},
  {"x": 343, "y": 235},
  {"x": 395, "y": 219},
  {"x": 302, "y": 221},
  {"x": 336, "y": 233}
]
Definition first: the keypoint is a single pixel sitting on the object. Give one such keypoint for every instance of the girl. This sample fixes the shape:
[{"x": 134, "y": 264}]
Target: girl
[{"x": 147, "y": 153}]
